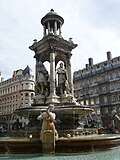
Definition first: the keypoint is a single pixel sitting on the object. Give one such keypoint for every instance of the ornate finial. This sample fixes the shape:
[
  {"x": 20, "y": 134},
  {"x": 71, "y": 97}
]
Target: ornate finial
[
  {"x": 52, "y": 10},
  {"x": 34, "y": 41},
  {"x": 70, "y": 40}
]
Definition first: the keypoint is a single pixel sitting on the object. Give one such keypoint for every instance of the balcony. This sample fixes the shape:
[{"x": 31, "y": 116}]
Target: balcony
[
  {"x": 104, "y": 104},
  {"x": 97, "y": 71},
  {"x": 103, "y": 92},
  {"x": 103, "y": 81}
]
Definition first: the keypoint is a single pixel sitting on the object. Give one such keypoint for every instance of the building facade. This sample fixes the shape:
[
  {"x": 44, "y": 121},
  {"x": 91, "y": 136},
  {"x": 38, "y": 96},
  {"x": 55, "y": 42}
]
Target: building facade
[
  {"x": 98, "y": 85},
  {"x": 16, "y": 92}
]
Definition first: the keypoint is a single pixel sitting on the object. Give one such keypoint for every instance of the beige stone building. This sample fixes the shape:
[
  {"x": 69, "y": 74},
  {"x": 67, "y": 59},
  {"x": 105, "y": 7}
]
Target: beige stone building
[
  {"x": 98, "y": 85},
  {"x": 16, "y": 92}
]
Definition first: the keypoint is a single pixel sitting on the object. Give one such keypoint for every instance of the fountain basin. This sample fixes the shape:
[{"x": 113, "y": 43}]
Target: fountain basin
[
  {"x": 88, "y": 143},
  {"x": 71, "y": 138},
  {"x": 77, "y": 144}
]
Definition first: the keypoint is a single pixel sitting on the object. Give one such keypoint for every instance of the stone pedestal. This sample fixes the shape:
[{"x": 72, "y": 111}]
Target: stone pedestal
[
  {"x": 67, "y": 99},
  {"x": 53, "y": 99},
  {"x": 39, "y": 99},
  {"x": 48, "y": 143}
]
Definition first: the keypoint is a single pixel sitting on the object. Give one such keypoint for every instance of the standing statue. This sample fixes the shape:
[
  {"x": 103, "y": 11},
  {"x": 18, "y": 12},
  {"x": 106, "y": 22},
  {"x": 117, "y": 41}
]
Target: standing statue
[
  {"x": 42, "y": 79},
  {"x": 115, "y": 125},
  {"x": 62, "y": 80},
  {"x": 48, "y": 131}
]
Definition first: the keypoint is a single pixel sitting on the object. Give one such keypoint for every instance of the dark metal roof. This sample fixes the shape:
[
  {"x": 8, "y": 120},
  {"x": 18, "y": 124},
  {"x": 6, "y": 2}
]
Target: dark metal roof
[
  {"x": 51, "y": 13},
  {"x": 27, "y": 70},
  {"x": 52, "y": 16}
]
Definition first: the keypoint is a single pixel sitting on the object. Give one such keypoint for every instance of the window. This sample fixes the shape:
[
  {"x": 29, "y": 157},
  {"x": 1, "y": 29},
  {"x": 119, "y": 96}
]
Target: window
[
  {"x": 95, "y": 80},
  {"x": 21, "y": 96},
  {"x": 32, "y": 86},
  {"x": 22, "y": 86},
  {"x": 97, "y": 101},
  {"x": 117, "y": 74},
  {"x": 103, "y": 78},
  {"x": 14, "y": 89},
  {"x": 85, "y": 83},
  {"x": 81, "y": 84},
  {"x": 95, "y": 91},
  {"x": 113, "y": 98},
  {"x": 119, "y": 97},
  {"x": 111, "y": 76},
  {"x": 98, "y": 111},
  {"x": 90, "y": 81},
  {"x": 92, "y": 101},
  {"x": 118, "y": 85},
  {"x": 112, "y": 87},
  {"x": 27, "y": 86},
  {"x": 91, "y": 92},
  {"x": 26, "y": 103},
  {"x": 32, "y": 95},
  {"x": 26, "y": 96},
  {"x": 16, "y": 97},
  {"x": 17, "y": 88},
  {"x": 104, "y": 88},
  {"x": 105, "y": 99},
  {"x": 106, "y": 110},
  {"x": 13, "y": 98}
]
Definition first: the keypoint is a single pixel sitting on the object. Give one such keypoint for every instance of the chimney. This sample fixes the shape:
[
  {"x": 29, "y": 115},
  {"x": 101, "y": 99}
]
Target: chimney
[
  {"x": 109, "y": 55},
  {"x": 14, "y": 74},
  {"x": 90, "y": 61},
  {"x": 2, "y": 79},
  {"x": 87, "y": 65}
]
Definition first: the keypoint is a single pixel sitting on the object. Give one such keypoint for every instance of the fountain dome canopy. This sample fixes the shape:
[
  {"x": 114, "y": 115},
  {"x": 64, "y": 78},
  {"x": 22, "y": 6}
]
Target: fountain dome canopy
[{"x": 52, "y": 16}]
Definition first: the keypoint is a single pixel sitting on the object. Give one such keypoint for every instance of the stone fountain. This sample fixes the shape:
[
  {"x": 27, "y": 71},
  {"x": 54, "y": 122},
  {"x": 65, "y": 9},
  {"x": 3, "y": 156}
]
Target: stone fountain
[
  {"x": 54, "y": 104},
  {"x": 54, "y": 86}
]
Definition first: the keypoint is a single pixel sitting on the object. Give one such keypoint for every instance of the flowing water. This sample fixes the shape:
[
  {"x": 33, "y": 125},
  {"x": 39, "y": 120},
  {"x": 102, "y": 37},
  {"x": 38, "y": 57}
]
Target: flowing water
[
  {"x": 113, "y": 154},
  {"x": 104, "y": 155}
]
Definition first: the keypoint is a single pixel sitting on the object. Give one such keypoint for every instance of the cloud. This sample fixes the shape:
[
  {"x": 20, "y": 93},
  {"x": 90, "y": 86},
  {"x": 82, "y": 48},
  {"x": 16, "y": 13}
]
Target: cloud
[
  {"x": 93, "y": 25},
  {"x": 104, "y": 14}
]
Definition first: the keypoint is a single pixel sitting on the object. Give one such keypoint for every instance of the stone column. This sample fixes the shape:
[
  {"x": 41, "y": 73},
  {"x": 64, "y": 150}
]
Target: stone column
[
  {"x": 70, "y": 82},
  {"x": 89, "y": 100},
  {"x": 84, "y": 99},
  {"x": 60, "y": 29},
  {"x": 53, "y": 98},
  {"x": 48, "y": 27},
  {"x": 44, "y": 29},
  {"x": 52, "y": 74},
  {"x": 55, "y": 27}
]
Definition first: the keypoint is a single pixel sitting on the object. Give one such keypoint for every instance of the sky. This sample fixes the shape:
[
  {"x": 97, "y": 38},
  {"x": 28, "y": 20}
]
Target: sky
[{"x": 93, "y": 24}]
